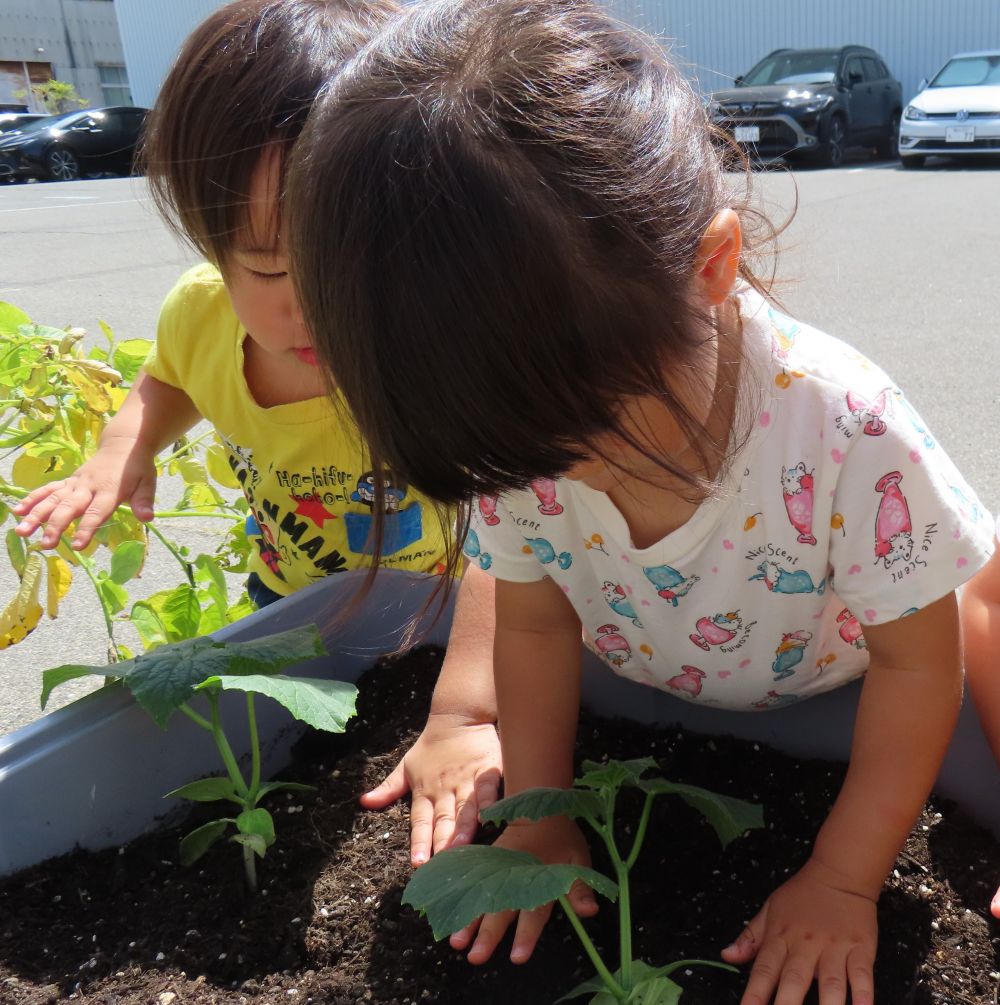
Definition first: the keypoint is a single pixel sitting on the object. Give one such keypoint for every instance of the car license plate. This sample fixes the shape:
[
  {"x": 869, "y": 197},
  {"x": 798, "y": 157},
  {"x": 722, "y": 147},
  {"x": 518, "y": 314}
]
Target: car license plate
[
  {"x": 960, "y": 134},
  {"x": 747, "y": 134}
]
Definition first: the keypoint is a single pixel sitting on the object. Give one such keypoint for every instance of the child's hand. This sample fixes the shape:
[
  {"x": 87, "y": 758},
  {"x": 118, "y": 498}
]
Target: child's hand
[
  {"x": 119, "y": 471},
  {"x": 809, "y": 929},
  {"x": 454, "y": 771},
  {"x": 995, "y": 905},
  {"x": 553, "y": 839}
]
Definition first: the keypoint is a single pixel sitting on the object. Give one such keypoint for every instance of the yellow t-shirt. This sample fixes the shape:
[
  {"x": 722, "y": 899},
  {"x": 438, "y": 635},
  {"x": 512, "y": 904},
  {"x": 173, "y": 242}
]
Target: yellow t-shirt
[{"x": 302, "y": 468}]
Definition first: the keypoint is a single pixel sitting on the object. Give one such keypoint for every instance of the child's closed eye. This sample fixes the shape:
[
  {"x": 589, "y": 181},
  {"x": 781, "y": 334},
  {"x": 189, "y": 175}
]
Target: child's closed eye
[{"x": 265, "y": 276}]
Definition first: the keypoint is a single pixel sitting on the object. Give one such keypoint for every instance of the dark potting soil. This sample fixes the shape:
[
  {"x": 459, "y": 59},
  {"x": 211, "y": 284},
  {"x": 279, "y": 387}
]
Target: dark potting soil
[{"x": 129, "y": 926}]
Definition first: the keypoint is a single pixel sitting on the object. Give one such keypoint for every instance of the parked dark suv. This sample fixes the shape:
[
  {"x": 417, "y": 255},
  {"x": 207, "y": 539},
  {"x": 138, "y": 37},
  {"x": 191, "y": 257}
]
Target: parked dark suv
[
  {"x": 813, "y": 101},
  {"x": 63, "y": 147}
]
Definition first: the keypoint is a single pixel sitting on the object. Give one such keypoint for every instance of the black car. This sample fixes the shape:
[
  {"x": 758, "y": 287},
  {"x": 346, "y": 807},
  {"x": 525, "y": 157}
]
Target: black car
[
  {"x": 9, "y": 121},
  {"x": 813, "y": 101},
  {"x": 62, "y": 147}
]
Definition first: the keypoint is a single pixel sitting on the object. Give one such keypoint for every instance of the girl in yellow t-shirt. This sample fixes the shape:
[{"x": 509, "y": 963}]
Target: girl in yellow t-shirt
[{"x": 232, "y": 348}]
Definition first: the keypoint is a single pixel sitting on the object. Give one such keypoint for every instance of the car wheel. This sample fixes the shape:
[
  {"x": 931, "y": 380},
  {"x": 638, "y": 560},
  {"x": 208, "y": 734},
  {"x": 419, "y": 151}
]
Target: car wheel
[
  {"x": 62, "y": 165},
  {"x": 887, "y": 148},
  {"x": 912, "y": 160},
  {"x": 836, "y": 140}
]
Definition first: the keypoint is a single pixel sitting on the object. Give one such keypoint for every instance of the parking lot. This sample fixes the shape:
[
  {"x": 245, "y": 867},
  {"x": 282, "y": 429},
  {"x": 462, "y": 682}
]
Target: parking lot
[{"x": 904, "y": 265}]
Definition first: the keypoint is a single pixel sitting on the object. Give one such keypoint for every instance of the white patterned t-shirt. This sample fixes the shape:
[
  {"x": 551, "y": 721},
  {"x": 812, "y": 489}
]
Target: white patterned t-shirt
[{"x": 840, "y": 510}]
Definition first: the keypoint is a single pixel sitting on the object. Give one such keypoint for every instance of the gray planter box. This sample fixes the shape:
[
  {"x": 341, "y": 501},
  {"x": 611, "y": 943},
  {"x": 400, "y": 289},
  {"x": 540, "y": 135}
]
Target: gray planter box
[{"x": 93, "y": 774}]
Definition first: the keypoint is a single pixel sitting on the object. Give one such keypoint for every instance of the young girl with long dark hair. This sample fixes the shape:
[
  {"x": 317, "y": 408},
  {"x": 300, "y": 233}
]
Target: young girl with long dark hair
[{"x": 735, "y": 507}]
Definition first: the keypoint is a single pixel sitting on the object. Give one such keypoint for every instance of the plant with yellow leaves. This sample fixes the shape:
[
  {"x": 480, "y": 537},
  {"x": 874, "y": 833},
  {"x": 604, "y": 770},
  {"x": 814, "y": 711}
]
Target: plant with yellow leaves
[{"x": 54, "y": 404}]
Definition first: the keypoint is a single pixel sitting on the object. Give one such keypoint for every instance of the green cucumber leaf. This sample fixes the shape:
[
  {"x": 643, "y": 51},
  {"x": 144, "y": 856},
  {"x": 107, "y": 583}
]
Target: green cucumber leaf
[
  {"x": 195, "y": 844},
  {"x": 534, "y": 804},
  {"x": 257, "y": 822},
  {"x": 730, "y": 818},
  {"x": 322, "y": 704},
  {"x": 459, "y": 885},
  {"x": 206, "y": 790}
]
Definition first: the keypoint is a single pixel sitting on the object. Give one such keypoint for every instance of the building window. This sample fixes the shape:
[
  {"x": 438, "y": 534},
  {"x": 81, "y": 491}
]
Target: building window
[
  {"x": 16, "y": 80},
  {"x": 114, "y": 85}
]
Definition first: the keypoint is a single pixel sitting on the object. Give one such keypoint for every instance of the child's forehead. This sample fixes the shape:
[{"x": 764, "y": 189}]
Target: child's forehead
[{"x": 261, "y": 228}]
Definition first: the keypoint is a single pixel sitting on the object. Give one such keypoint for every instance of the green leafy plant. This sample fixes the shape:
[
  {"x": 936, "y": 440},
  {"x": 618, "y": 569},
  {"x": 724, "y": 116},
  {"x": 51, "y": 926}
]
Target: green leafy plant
[
  {"x": 165, "y": 681},
  {"x": 56, "y": 96},
  {"x": 459, "y": 885},
  {"x": 54, "y": 405}
]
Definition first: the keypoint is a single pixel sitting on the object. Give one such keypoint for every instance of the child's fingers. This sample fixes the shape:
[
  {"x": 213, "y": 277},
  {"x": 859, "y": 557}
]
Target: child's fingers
[
  {"x": 766, "y": 973},
  {"x": 466, "y": 819},
  {"x": 33, "y": 498},
  {"x": 491, "y": 931},
  {"x": 55, "y": 513},
  {"x": 526, "y": 935},
  {"x": 488, "y": 788},
  {"x": 421, "y": 830},
  {"x": 582, "y": 900},
  {"x": 445, "y": 811},
  {"x": 796, "y": 977},
  {"x": 744, "y": 949},
  {"x": 142, "y": 500},
  {"x": 861, "y": 974},
  {"x": 35, "y": 509},
  {"x": 393, "y": 787},
  {"x": 460, "y": 940},
  {"x": 94, "y": 517},
  {"x": 995, "y": 906}
]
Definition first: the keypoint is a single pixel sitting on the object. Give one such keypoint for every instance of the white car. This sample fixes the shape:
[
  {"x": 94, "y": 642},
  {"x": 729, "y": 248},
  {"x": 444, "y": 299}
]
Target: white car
[{"x": 957, "y": 113}]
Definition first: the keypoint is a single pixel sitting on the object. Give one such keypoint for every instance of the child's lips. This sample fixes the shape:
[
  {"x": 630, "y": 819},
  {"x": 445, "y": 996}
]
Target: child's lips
[{"x": 306, "y": 354}]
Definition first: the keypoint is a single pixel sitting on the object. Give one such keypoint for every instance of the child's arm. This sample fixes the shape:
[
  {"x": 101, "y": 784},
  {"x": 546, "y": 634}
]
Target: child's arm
[
  {"x": 152, "y": 415},
  {"x": 454, "y": 767},
  {"x": 821, "y": 923},
  {"x": 980, "y": 608},
  {"x": 537, "y": 669}
]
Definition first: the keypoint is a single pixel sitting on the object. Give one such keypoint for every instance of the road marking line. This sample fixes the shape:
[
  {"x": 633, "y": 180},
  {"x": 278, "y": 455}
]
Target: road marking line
[
  {"x": 70, "y": 197},
  {"x": 39, "y": 209}
]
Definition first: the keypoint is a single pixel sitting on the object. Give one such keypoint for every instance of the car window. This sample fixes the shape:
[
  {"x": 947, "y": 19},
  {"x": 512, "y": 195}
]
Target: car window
[
  {"x": 804, "y": 66},
  {"x": 884, "y": 70},
  {"x": 853, "y": 65},
  {"x": 872, "y": 71},
  {"x": 969, "y": 71}
]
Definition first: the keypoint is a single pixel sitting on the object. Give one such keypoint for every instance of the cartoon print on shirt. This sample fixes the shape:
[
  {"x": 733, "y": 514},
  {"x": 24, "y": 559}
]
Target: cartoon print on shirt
[
  {"x": 688, "y": 681},
  {"x": 311, "y": 507},
  {"x": 545, "y": 491},
  {"x": 488, "y": 510},
  {"x": 670, "y": 584},
  {"x": 472, "y": 550},
  {"x": 716, "y": 630},
  {"x": 797, "y": 490},
  {"x": 242, "y": 465},
  {"x": 789, "y": 581},
  {"x": 850, "y": 630},
  {"x": 866, "y": 414},
  {"x": 613, "y": 646},
  {"x": 618, "y": 601},
  {"x": 790, "y": 653},
  {"x": 772, "y": 700},
  {"x": 545, "y": 553},
  {"x": 365, "y": 492},
  {"x": 782, "y": 338},
  {"x": 915, "y": 420},
  {"x": 824, "y": 661},
  {"x": 968, "y": 508},
  {"x": 893, "y": 529},
  {"x": 270, "y": 556}
]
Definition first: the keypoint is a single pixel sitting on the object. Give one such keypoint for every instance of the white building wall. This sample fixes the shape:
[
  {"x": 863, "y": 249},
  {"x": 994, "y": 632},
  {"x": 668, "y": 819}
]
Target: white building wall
[
  {"x": 719, "y": 39},
  {"x": 36, "y": 31},
  {"x": 152, "y": 32}
]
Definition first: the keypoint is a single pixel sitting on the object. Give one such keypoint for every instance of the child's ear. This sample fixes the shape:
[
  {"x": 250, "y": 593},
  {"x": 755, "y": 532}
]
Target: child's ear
[{"x": 717, "y": 263}]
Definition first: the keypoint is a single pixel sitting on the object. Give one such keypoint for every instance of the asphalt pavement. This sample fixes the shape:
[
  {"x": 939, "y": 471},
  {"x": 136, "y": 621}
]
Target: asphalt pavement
[{"x": 905, "y": 265}]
